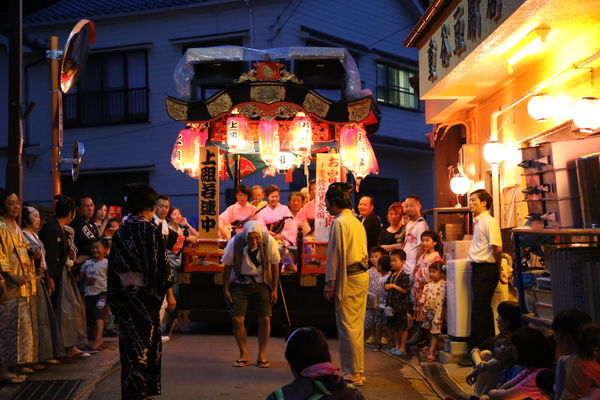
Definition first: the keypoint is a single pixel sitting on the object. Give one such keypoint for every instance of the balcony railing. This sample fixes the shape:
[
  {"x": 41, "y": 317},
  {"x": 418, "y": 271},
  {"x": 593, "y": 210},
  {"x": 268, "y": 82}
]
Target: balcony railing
[
  {"x": 107, "y": 107},
  {"x": 398, "y": 97}
]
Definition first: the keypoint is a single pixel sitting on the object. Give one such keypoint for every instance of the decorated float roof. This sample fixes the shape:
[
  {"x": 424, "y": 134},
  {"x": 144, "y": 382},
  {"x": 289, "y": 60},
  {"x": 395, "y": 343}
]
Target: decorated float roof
[{"x": 268, "y": 91}]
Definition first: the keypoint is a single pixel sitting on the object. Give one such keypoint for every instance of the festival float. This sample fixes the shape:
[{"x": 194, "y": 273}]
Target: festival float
[{"x": 267, "y": 121}]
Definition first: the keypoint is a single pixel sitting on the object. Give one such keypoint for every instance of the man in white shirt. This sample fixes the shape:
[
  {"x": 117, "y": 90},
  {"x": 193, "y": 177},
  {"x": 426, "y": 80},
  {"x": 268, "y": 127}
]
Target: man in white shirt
[
  {"x": 485, "y": 255},
  {"x": 414, "y": 229},
  {"x": 251, "y": 274}
]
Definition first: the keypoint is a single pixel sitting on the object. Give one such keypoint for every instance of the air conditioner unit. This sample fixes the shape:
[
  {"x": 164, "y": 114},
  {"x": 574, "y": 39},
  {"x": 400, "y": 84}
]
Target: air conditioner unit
[{"x": 469, "y": 156}]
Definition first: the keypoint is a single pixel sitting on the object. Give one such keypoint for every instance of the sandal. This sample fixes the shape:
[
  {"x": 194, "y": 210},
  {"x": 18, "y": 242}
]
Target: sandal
[
  {"x": 263, "y": 364},
  {"x": 240, "y": 363},
  {"x": 356, "y": 382},
  {"x": 11, "y": 378},
  {"x": 25, "y": 370},
  {"x": 52, "y": 361}
]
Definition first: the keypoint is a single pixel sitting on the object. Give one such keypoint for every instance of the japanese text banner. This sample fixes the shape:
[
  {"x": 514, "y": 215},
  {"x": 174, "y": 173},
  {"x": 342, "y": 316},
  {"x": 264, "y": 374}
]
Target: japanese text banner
[
  {"x": 208, "y": 193},
  {"x": 328, "y": 171}
]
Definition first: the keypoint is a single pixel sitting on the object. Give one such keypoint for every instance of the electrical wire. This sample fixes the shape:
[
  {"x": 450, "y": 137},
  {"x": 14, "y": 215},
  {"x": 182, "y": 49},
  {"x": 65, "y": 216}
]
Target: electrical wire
[
  {"x": 391, "y": 34},
  {"x": 286, "y": 21}
]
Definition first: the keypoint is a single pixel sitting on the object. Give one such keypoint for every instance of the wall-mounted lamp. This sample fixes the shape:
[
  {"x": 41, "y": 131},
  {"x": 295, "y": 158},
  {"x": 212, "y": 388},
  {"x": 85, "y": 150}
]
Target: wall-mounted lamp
[
  {"x": 587, "y": 114},
  {"x": 541, "y": 107},
  {"x": 459, "y": 182},
  {"x": 528, "y": 45},
  {"x": 494, "y": 152}
]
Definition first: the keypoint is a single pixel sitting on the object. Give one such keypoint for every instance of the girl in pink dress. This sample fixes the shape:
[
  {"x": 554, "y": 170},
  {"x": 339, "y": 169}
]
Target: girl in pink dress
[
  {"x": 433, "y": 306},
  {"x": 432, "y": 251}
]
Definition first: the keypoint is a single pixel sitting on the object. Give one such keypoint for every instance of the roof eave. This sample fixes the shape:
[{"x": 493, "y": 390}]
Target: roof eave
[{"x": 435, "y": 14}]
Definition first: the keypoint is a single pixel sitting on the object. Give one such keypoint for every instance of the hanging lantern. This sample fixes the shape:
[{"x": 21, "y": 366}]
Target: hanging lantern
[
  {"x": 587, "y": 114},
  {"x": 284, "y": 161},
  {"x": 356, "y": 152},
  {"x": 541, "y": 107},
  {"x": 186, "y": 152},
  {"x": 494, "y": 152},
  {"x": 238, "y": 138},
  {"x": 460, "y": 184},
  {"x": 301, "y": 129},
  {"x": 268, "y": 140}
]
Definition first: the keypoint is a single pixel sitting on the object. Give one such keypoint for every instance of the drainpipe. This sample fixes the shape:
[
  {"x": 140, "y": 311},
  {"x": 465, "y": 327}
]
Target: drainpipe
[{"x": 251, "y": 18}]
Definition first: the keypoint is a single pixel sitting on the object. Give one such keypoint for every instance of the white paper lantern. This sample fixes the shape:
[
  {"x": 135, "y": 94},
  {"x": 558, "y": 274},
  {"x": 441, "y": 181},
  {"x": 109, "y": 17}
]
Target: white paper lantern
[
  {"x": 460, "y": 184},
  {"x": 284, "y": 161},
  {"x": 587, "y": 114},
  {"x": 541, "y": 107},
  {"x": 494, "y": 152}
]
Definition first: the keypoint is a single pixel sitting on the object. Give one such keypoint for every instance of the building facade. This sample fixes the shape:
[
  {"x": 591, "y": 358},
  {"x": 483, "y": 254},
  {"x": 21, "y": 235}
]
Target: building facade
[{"x": 118, "y": 107}]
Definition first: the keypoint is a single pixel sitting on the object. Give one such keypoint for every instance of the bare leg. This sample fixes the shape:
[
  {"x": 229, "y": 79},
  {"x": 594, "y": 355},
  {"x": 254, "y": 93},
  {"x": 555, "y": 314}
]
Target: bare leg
[
  {"x": 433, "y": 343},
  {"x": 264, "y": 331},
  {"x": 239, "y": 331},
  {"x": 401, "y": 338},
  {"x": 99, "y": 333}
]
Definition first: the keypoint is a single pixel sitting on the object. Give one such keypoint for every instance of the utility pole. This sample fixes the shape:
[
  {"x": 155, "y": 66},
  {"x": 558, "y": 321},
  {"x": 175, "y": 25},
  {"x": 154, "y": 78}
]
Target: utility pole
[
  {"x": 14, "y": 168},
  {"x": 56, "y": 118}
]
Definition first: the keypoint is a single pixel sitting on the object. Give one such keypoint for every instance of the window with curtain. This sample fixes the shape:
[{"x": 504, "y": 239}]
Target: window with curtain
[
  {"x": 394, "y": 89},
  {"x": 112, "y": 90}
]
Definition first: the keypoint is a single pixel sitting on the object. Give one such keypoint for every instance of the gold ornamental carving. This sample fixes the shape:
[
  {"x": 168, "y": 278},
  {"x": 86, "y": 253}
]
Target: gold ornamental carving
[
  {"x": 177, "y": 111},
  {"x": 267, "y": 93},
  {"x": 315, "y": 105},
  {"x": 249, "y": 110},
  {"x": 221, "y": 104},
  {"x": 288, "y": 110},
  {"x": 359, "y": 110}
]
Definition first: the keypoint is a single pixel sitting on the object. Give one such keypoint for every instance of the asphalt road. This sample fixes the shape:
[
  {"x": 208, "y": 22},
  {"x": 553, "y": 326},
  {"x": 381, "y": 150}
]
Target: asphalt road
[{"x": 197, "y": 366}]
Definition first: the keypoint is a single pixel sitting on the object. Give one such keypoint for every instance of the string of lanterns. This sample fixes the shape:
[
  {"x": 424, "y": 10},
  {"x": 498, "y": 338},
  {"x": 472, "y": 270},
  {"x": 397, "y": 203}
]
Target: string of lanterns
[{"x": 356, "y": 152}]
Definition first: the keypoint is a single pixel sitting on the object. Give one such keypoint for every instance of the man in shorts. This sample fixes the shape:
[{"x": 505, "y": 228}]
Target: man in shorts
[{"x": 253, "y": 257}]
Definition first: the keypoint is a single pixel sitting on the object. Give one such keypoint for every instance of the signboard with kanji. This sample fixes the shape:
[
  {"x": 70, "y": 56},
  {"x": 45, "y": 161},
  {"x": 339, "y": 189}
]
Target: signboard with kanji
[
  {"x": 208, "y": 193},
  {"x": 329, "y": 170}
]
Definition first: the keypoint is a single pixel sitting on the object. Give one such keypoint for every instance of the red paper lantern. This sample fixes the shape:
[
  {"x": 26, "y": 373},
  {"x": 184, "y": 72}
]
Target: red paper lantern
[
  {"x": 238, "y": 135},
  {"x": 301, "y": 129},
  {"x": 268, "y": 140},
  {"x": 356, "y": 152},
  {"x": 186, "y": 152}
]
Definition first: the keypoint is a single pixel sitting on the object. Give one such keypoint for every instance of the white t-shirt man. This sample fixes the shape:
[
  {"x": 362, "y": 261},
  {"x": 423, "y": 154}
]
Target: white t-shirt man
[
  {"x": 486, "y": 233},
  {"x": 412, "y": 241}
]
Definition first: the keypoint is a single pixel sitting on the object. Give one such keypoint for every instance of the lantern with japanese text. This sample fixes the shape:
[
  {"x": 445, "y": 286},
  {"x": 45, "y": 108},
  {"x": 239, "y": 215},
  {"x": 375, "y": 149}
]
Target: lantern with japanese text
[
  {"x": 268, "y": 140},
  {"x": 356, "y": 152},
  {"x": 238, "y": 134},
  {"x": 301, "y": 130},
  {"x": 186, "y": 152}
]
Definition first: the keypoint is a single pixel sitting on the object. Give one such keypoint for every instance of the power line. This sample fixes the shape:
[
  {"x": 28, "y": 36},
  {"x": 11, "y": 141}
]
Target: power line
[{"x": 391, "y": 34}]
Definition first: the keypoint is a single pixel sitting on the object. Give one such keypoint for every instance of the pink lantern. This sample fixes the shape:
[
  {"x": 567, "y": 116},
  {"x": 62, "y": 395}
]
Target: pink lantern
[
  {"x": 186, "y": 152},
  {"x": 238, "y": 134},
  {"x": 356, "y": 152},
  {"x": 268, "y": 140},
  {"x": 301, "y": 129}
]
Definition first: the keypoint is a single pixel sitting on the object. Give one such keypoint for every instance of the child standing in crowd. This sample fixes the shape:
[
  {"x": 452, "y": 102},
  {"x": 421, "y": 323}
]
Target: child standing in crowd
[
  {"x": 494, "y": 372},
  {"x": 582, "y": 370},
  {"x": 374, "y": 277},
  {"x": 380, "y": 319},
  {"x": 93, "y": 273},
  {"x": 397, "y": 286},
  {"x": 432, "y": 251},
  {"x": 433, "y": 306},
  {"x": 533, "y": 353},
  {"x": 567, "y": 326}
]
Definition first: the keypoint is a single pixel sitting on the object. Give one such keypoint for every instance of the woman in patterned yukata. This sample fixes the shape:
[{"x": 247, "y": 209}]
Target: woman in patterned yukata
[
  {"x": 18, "y": 342},
  {"x": 138, "y": 278}
]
